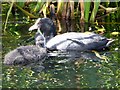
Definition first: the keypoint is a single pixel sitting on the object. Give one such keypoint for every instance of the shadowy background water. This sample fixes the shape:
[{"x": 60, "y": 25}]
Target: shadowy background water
[{"x": 88, "y": 71}]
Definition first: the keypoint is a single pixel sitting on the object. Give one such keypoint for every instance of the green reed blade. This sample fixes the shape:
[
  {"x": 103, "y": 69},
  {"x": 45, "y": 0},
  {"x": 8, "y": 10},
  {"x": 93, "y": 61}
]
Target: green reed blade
[
  {"x": 87, "y": 4},
  {"x": 95, "y": 9},
  {"x": 9, "y": 11}
]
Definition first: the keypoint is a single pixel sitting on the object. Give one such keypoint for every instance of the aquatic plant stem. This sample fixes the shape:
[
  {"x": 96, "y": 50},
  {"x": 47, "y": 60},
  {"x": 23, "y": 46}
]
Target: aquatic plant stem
[
  {"x": 95, "y": 9},
  {"x": 8, "y": 15}
]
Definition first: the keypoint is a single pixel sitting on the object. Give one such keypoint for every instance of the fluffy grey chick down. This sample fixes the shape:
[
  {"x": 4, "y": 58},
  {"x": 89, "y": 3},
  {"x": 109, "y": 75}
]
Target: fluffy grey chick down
[{"x": 25, "y": 55}]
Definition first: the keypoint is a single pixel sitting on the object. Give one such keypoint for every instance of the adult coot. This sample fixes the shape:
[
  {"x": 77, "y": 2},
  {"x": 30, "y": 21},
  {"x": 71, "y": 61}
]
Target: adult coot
[{"x": 67, "y": 41}]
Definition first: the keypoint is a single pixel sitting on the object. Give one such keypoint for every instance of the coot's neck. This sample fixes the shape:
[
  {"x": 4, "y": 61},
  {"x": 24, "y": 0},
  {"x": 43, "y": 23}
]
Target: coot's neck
[{"x": 42, "y": 37}]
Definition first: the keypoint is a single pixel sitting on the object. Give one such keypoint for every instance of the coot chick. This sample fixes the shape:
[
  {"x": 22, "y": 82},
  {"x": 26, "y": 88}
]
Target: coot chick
[{"x": 25, "y": 55}]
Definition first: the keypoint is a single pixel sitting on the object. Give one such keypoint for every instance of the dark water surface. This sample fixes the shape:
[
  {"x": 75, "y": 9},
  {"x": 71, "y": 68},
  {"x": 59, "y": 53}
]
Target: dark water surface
[{"x": 87, "y": 71}]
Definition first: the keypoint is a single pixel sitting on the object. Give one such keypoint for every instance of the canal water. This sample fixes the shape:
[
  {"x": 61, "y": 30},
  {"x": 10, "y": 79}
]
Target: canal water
[{"x": 85, "y": 71}]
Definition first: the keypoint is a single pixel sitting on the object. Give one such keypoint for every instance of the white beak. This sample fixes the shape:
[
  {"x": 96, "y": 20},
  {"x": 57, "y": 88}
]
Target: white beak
[{"x": 33, "y": 27}]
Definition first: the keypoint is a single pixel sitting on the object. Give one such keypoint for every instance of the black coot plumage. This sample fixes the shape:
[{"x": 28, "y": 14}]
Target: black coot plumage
[
  {"x": 45, "y": 30},
  {"x": 67, "y": 41},
  {"x": 78, "y": 42}
]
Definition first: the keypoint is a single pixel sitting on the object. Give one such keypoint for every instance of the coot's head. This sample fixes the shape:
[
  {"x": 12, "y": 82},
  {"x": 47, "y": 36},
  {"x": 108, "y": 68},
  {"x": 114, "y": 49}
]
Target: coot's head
[
  {"x": 45, "y": 25},
  {"x": 45, "y": 30}
]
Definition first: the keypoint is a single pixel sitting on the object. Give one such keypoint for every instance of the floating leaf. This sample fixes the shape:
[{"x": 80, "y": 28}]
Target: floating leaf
[
  {"x": 114, "y": 33},
  {"x": 101, "y": 30}
]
